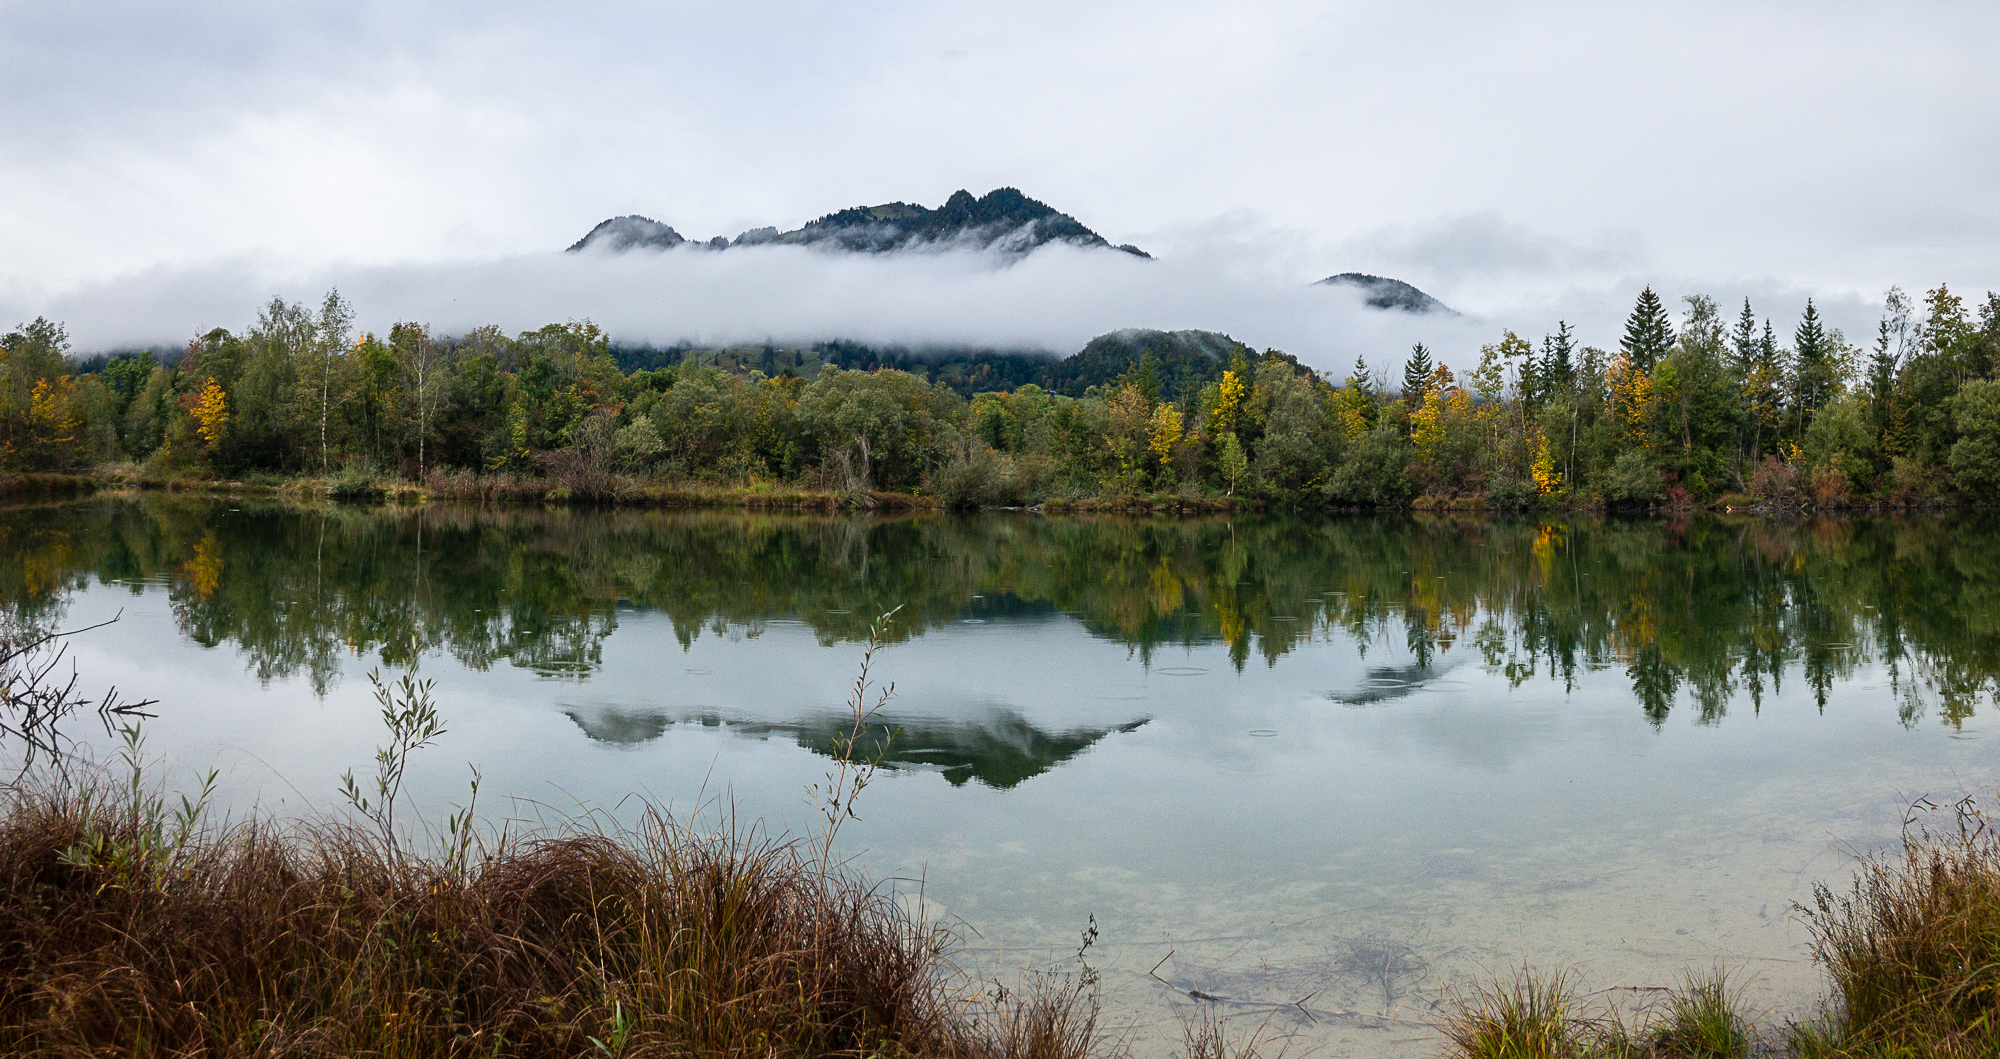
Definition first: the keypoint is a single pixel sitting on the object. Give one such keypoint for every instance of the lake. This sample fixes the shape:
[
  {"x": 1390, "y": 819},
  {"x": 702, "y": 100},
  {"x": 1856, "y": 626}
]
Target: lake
[{"x": 1319, "y": 768}]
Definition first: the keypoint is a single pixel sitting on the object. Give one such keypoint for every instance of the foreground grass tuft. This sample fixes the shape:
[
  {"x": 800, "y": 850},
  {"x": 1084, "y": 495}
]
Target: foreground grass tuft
[
  {"x": 1913, "y": 949},
  {"x": 1530, "y": 1016},
  {"x": 1701, "y": 1020},
  {"x": 120, "y": 937}
]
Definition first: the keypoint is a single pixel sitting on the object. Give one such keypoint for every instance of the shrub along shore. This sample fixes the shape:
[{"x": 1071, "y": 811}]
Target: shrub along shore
[{"x": 616, "y": 490}]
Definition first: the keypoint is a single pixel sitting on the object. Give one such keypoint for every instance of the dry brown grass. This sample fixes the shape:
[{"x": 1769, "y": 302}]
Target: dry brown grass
[
  {"x": 1913, "y": 949},
  {"x": 250, "y": 940}
]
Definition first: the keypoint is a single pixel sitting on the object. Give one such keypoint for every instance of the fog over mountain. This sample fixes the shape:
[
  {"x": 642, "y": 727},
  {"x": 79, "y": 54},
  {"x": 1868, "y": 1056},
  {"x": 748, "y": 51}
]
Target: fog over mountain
[
  {"x": 1381, "y": 292},
  {"x": 1054, "y": 299}
]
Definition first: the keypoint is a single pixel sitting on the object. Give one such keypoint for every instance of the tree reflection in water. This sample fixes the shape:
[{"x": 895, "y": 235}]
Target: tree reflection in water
[{"x": 1700, "y": 609}]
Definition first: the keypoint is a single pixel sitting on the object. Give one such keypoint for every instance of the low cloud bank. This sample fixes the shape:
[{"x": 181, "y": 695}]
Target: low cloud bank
[{"x": 1054, "y": 300}]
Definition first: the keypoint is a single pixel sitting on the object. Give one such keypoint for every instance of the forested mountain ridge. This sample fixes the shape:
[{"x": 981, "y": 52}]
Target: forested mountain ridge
[
  {"x": 1174, "y": 362},
  {"x": 1002, "y": 220}
]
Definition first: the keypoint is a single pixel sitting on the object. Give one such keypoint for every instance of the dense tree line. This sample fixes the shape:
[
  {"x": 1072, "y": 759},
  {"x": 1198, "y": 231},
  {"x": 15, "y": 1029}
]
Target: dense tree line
[{"x": 1680, "y": 411}]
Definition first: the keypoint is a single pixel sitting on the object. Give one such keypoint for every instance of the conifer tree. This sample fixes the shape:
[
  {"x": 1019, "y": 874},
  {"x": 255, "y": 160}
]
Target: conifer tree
[
  {"x": 1416, "y": 376},
  {"x": 1763, "y": 390},
  {"x": 1811, "y": 369},
  {"x": 1558, "y": 370},
  {"x": 1649, "y": 333},
  {"x": 1743, "y": 367},
  {"x": 1743, "y": 341}
]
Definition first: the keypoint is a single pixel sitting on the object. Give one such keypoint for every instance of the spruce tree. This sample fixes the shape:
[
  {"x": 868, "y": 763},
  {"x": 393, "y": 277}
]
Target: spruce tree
[
  {"x": 1361, "y": 387},
  {"x": 1744, "y": 341},
  {"x": 1416, "y": 376},
  {"x": 1811, "y": 369},
  {"x": 1533, "y": 384},
  {"x": 1649, "y": 333},
  {"x": 1559, "y": 358},
  {"x": 1765, "y": 376}
]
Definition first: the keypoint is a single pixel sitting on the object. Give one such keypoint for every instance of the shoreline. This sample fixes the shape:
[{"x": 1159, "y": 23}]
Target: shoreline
[{"x": 629, "y": 492}]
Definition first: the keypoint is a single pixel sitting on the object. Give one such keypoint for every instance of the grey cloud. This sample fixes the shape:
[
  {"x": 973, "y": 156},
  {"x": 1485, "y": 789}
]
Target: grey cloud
[
  {"x": 1504, "y": 157},
  {"x": 1486, "y": 245}
]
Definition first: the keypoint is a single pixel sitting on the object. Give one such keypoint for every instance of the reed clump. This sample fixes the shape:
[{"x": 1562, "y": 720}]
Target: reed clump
[
  {"x": 1703, "y": 1019},
  {"x": 1530, "y": 1016},
  {"x": 1913, "y": 948},
  {"x": 126, "y": 928},
  {"x": 1542, "y": 1016}
]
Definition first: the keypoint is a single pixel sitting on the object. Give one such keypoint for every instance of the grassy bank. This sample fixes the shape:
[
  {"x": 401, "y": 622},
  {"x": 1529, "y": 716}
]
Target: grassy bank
[
  {"x": 127, "y": 931},
  {"x": 468, "y": 488},
  {"x": 127, "y": 928},
  {"x": 617, "y": 490},
  {"x": 119, "y": 934},
  {"x": 596, "y": 489}
]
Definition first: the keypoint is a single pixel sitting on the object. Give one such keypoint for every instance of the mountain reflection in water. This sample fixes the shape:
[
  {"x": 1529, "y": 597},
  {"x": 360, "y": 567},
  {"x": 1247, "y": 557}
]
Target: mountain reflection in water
[
  {"x": 1386, "y": 684},
  {"x": 1001, "y": 749},
  {"x": 1698, "y": 612}
]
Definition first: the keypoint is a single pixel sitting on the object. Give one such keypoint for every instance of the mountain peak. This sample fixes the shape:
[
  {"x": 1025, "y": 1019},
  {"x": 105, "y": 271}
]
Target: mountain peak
[
  {"x": 1003, "y": 220},
  {"x": 623, "y": 233},
  {"x": 1381, "y": 292}
]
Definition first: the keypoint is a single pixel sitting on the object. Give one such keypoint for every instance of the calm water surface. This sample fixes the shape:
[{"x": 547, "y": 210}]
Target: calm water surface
[{"x": 1342, "y": 762}]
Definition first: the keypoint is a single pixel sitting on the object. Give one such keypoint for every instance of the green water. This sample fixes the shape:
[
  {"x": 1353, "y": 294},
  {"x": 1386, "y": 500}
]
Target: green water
[{"x": 1351, "y": 759}]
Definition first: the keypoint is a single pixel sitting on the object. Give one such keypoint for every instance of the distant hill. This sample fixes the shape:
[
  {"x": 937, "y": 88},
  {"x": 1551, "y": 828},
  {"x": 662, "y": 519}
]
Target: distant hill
[
  {"x": 627, "y": 232},
  {"x": 1381, "y": 292},
  {"x": 1182, "y": 362},
  {"x": 1003, "y": 220}
]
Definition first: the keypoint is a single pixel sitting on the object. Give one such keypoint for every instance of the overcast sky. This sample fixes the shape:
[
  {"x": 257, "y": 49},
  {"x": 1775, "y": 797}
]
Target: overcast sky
[{"x": 167, "y": 166}]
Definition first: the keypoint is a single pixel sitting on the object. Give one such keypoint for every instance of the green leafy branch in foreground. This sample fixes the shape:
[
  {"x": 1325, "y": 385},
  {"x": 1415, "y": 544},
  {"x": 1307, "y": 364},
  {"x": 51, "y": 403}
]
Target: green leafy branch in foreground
[
  {"x": 836, "y": 797},
  {"x": 132, "y": 839},
  {"x": 412, "y": 719}
]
